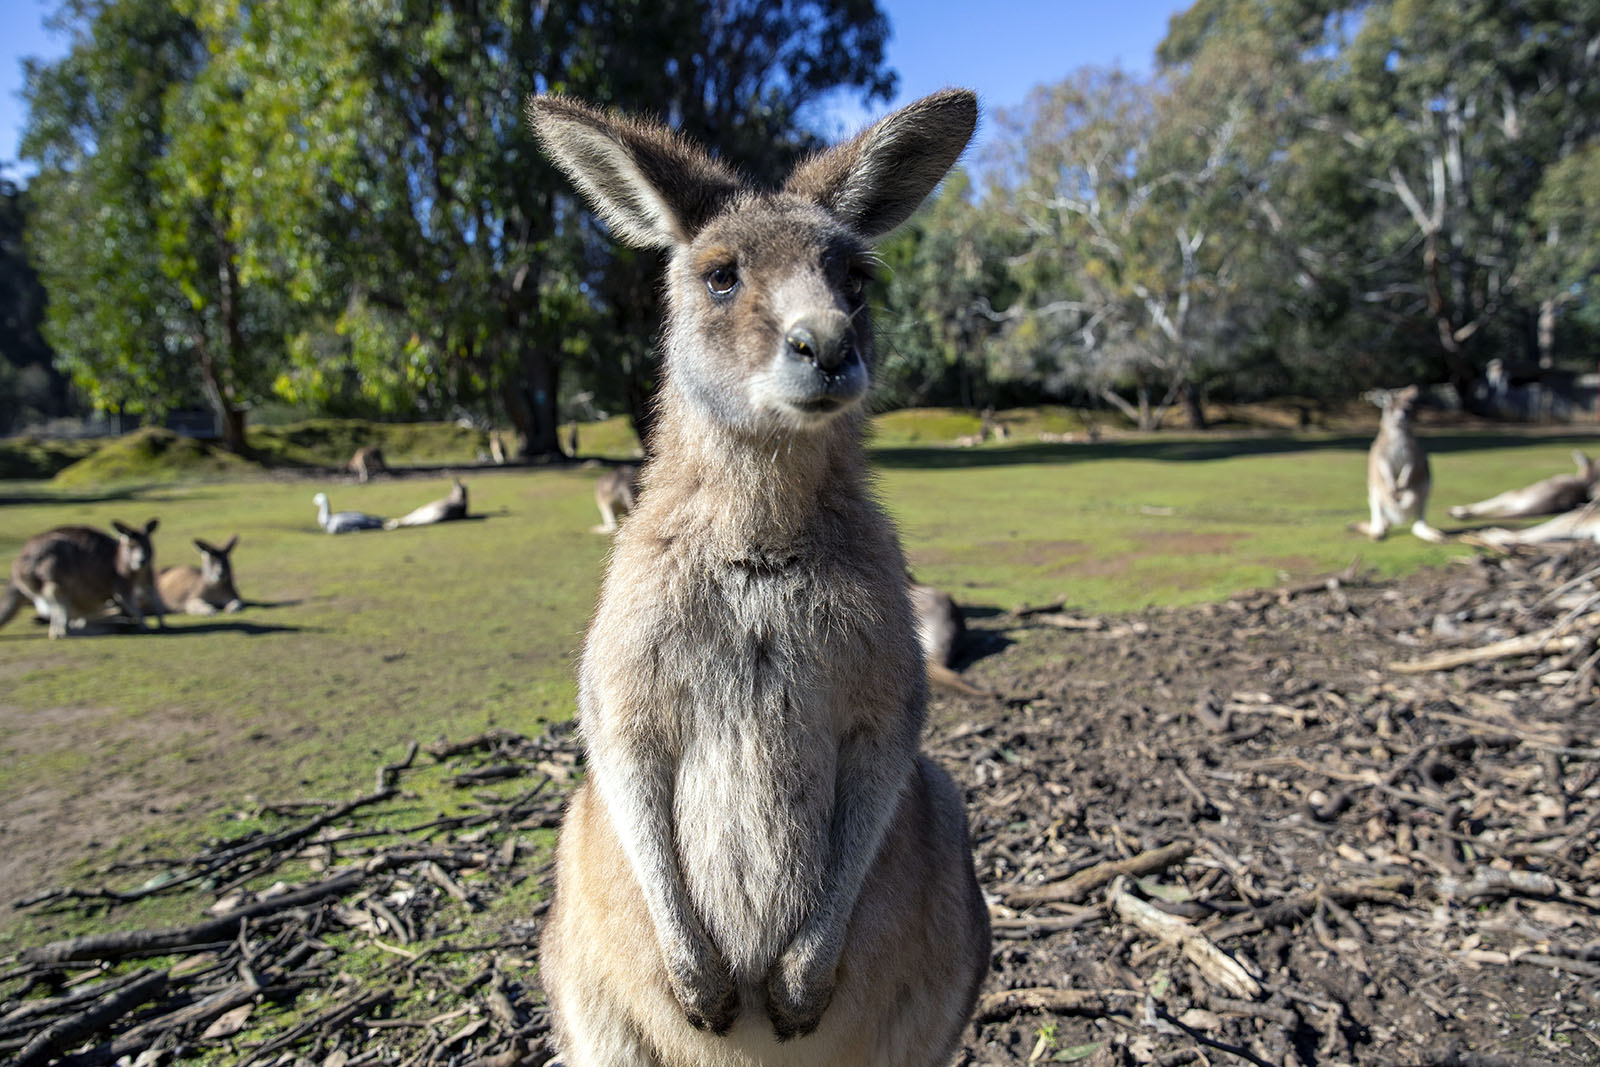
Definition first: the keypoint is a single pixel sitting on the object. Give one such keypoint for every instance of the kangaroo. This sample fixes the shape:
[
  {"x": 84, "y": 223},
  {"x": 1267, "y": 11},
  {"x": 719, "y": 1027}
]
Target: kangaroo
[
  {"x": 940, "y": 628},
  {"x": 71, "y": 572},
  {"x": 760, "y": 868},
  {"x": 205, "y": 589},
  {"x": 447, "y": 509},
  {"x": 615, "y": 494},
  {"x": 367, "y": 461},
  {"x": 1398, "y": 478},
  {"x": 1582, "y": 524},
  {"x": 1549, "y": 496}
]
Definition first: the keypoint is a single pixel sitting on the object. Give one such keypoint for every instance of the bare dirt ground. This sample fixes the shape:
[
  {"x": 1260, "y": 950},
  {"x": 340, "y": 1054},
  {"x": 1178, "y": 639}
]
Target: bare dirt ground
[
  {"x": 1252, "y": 832},
  {"x": 1325, "y": 860}
]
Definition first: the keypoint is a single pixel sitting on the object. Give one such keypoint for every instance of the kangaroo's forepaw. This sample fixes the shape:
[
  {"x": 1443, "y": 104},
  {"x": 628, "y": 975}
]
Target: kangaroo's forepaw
[
  {"x": 707, "y": 995},
  {"x": 798, "y": 992}
]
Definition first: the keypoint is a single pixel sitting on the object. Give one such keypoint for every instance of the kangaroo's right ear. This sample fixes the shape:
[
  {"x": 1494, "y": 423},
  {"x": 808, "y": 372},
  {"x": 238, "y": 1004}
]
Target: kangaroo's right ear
[
  {"x": 150, "y": 527},
  {"x": 123, "y": 529},
  {"x": 652, "y": 187},
  {"x": 206, "y": 547},
  {"x": 225, "y": 549}
]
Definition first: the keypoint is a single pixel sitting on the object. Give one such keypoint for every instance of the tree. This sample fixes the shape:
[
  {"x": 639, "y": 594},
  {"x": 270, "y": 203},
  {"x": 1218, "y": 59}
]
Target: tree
[
  {"x": 401, "y": 191},
  {"x": 133, "y": 132},
  {"x": 1140, "y": 234},
  {"x": 30, "y": 386}
]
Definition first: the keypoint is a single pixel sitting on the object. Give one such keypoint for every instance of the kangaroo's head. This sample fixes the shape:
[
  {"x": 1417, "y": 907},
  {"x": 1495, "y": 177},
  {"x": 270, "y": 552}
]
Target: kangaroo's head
[
  {"x": 1398, "y": 406},
  {"x": 767, "y": 325},
  {"x": 136, "y": 555},
  {"x": 458, "y": 492},
  {"x": 216, "y": 569}
]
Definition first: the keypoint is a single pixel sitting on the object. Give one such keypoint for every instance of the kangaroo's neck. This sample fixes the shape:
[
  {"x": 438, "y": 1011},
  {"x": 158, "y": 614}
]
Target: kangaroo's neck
[{"x": 751, "y": 492}]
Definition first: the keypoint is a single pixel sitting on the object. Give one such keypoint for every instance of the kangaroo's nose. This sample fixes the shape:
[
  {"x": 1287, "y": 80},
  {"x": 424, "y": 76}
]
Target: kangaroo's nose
[{"x": 820, "y": 339}]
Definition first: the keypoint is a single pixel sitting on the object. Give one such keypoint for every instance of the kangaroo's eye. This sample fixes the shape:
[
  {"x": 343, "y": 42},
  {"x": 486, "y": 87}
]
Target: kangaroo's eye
[{"x": 722, "y": 280}]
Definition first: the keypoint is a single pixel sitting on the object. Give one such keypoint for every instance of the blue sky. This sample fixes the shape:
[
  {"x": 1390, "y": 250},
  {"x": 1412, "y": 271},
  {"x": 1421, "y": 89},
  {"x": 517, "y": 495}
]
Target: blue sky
[{"x": 1001, "y": 48}]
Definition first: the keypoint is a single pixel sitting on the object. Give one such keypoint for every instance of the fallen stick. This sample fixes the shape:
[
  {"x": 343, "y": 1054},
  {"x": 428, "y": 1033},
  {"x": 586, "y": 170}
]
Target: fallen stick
[
  {"x": 1551, "y": 639},
  {"x": 1219, "y": 968},
  {"x": 48, "y": 1043},
  {"x": 1080, "y": 885},
  {"x": 993, "y": 1007},
  {"x": 127, "y": 943}
]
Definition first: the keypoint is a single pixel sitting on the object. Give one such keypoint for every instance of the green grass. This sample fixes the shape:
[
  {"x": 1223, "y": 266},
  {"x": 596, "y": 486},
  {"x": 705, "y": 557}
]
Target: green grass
[{"x": 357, "y": 644}]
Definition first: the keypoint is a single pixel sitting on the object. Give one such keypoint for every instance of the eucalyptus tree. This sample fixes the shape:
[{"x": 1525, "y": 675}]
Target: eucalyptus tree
[
  {"x": 402, "y": 192},
  {"x": 1139, "y": 239}
]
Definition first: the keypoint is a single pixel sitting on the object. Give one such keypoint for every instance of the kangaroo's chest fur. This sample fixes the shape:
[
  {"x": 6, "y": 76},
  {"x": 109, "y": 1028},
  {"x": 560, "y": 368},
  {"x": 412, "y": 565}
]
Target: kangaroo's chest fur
[{"x": 757, "y": 664}]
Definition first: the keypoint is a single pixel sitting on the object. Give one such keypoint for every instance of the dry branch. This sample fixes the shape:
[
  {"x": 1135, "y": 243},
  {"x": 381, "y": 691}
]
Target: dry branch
[{"x": 1084, "y": 882}]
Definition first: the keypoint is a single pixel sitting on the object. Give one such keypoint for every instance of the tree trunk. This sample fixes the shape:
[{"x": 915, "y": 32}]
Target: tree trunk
[
  {"x": 1192, "y": 406},
  {"x": 233, "y": 437},
  {"x": 541, "y": 436}
]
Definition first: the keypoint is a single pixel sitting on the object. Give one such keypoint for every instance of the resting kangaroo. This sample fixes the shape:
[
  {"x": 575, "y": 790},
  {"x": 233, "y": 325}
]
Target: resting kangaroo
[
  {"x": 71, "y": 572},
  {"x": 205, "y": 589},
  {"x": 1548, "y": 496},
  {"x": 615, "y": 494},
  {"x": 760, "y": 869},
  {"x": 940, "y": 628},
  {"x": 446, "y": 509},
  {"x": 1398, "y": 478}
]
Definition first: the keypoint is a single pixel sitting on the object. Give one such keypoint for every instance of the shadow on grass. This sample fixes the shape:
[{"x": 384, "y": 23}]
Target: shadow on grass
[
  {"x": 1189, "y": 449},
  {"x": 142, "y": 493},
  {"x": 249, "y": 629}
]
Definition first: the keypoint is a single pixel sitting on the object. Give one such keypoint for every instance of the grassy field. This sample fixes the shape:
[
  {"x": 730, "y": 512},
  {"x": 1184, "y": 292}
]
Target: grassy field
[{"x": 353, "y": 646}]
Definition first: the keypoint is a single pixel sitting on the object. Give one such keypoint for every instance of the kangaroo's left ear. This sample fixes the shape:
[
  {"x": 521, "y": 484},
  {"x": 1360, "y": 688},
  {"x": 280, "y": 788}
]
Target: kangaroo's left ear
[
  {"x": 124, "y": 530},
  {"x": 876, "y": 181},
  {"x": 229, "y": 546},
  {"x": 150, "y": 527}
]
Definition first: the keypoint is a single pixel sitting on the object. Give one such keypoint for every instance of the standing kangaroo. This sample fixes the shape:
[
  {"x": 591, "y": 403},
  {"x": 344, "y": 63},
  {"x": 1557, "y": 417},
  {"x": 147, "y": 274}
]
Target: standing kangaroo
[
  {"x": 761, "y": 868},
  {"x": 206, "y": 589},
  {"x": 71, "y": 572},
  {"x": 1548, "y": 496},
  {"x": 367, "y": 461},
  {"x": 616, "y": 493},
  {"x": 1398, "y": 478}
]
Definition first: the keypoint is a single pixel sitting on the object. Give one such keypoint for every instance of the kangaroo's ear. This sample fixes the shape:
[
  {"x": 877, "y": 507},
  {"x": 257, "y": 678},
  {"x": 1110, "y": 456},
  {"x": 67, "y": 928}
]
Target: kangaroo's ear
[
  {"x": 123, "y": 529},
  {"x": 653, "y": 188},
  {"x": 206, "y": 547},
  {"x": 229, "y": 546},
  {"x": 876, "y": 181},
  {"x": 1585, "y": 464},
  {"x": 150, "y": 527}
]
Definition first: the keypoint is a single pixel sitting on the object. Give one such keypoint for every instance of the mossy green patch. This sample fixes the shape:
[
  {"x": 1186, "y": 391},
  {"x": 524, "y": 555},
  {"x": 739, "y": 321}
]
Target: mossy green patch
[{"x": 151, "y": 455}]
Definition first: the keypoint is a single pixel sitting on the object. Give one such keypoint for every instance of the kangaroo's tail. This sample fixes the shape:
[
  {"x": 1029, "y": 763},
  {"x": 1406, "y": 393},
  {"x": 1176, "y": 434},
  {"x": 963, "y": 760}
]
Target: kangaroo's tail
[
  {"x": 10, "y": 601},
  {"x": 939, "y": 674}
]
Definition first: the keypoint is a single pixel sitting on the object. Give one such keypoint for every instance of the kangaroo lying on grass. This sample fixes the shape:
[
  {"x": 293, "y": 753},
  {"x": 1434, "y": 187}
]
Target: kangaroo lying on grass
[
  {"x": 760, "y": 867},
  {"x": 940, "y": 628},
  {"x": 1398, "y": 478},
  {"x": 1549, "y": 496},
  {"x": 202, "y": 590},
  {"x": 615, "y": 494},
  {"x": 71, "y": 572},
  {"x": 448, "y": 509},
  {"x": 1580, "y": 525}
]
